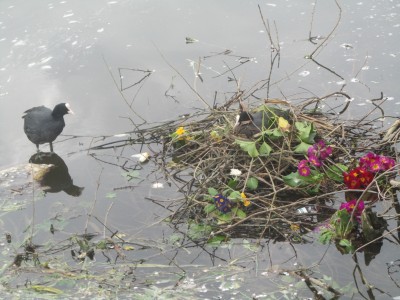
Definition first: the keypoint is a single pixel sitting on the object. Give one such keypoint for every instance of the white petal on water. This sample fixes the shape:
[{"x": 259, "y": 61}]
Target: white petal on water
[
  {"x": 341, "y": 82},
  {"x": 361, "y": 104},
  {"x": 304, "y": 73},
  {"x": 142, "y": 157},
  {"x": 365, "y": 68},
  {"x": 46, "y": 59},
  {"x": 121, "y": 135},
  {"x": 389, "y": 98},
  {"x": 354, "y": 80},
  {"x": 20, "y": 43},
  {"x": 157, "y": 185},
  {"x": 100, "y": 30},
  {"x": 46, "y": 67},
  {"x": 68, "y": 15}
]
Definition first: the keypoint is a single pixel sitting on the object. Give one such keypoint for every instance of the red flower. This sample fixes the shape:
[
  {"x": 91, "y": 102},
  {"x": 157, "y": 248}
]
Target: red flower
[{"x": 357, "y": 178}]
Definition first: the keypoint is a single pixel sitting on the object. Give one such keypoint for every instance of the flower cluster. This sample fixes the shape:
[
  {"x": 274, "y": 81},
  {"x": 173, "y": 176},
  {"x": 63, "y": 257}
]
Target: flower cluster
[
  {"x": 361, "y": 176},
  {"x": 375, "y": 163},
  {"x": 222, "y": 203},
  {"x": 357, "y": 178},
  {"x": 351, "y": 205},
  {"x": 317, "y": 153}
]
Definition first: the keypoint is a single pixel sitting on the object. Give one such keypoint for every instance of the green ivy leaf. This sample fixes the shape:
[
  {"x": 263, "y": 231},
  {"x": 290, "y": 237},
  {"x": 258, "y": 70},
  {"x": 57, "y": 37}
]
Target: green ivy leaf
[
  {"x": 232, "y": 183},
  {"x": 209, "y": 208},
  {"x": 198, "y": 231},
  {"x": 101, "y": 245},
  {"x": 306, "y": 132},
  {"x": 277, "y": 132},
  {"x": 325, "y": 236},
  {"x": 212, "y": 191},
  {"x": 216, "y": 240},
  {"x": 225, "y": 218},
  {"x": 252, "y": 183},
  {"x": 241, "y": 214},
  {"x": 302, "y": 148},
  {"x": 265, "y": 149},
  {"x": 235, "y": 195},
  {"x": 347, "y": 245},
  {"x": 294, "y": 179},
  {"x": 249, "y": 147},
  {"x": 335, "y": 172}
]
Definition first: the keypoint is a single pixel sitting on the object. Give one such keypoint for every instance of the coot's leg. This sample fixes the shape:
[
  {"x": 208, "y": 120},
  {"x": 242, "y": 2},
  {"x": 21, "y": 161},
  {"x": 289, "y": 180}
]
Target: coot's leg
[
  {"x": 37, "y": 147},
  {"x": 51, "y": 147}
]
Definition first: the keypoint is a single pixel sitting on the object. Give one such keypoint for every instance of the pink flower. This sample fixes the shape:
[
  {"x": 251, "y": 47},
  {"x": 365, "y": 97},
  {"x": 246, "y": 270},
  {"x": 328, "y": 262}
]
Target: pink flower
[
  {"x": 303, "y": 168},
  {"x": 351, "y": 205},
  {"x": 314, "y": 160},
  {"x": 303, "y": 163},
  {"x": 318, "y": 153},
  {"x": 304, "y": 171},
  {"x": 375, "y": 163},
  {"x": 387, "y": 162}
]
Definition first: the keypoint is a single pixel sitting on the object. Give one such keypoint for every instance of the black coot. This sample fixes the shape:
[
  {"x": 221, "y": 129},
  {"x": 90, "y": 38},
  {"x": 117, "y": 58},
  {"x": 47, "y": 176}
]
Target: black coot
[
  {"x": 43, "y": 125},
  {"x": 252, "y": 123}
]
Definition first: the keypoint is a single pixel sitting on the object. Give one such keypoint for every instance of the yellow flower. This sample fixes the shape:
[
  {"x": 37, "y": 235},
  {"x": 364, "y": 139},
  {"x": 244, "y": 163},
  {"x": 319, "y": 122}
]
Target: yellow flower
[
  {"x": 295, "y": 227},
  {"x": 283, "y": 124},
  {"x": 246, "y": 202},
  {"x": 214, "y": 134},
  {"x": 180, "y": 131}
]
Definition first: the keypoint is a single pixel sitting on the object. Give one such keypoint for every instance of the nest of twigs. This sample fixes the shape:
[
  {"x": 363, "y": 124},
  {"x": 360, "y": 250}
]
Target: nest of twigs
[
  {"x": 200, "y": 150},
  {"x": 208, "y": 149}
]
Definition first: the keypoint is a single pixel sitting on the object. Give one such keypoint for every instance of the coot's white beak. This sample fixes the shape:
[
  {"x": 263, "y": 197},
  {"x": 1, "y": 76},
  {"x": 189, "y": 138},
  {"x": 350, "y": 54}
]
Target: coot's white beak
[
  {"x": 69, "y": 108},
  {"x": 237, "y": 121}
]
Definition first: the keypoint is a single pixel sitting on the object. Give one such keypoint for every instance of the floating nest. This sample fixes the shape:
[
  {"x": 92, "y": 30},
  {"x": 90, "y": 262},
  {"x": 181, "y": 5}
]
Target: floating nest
[
  {"x": 248, "y": 186},
  {"x": 214, "y": 163}
]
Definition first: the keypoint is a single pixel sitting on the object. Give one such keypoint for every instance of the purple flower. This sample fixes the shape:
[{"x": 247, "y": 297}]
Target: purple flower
[{"x": 222, "y": 203}]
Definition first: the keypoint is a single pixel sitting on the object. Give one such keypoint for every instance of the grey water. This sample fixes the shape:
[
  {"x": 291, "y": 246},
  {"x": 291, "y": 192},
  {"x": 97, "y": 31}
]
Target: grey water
[{"x": 86, "y": 52}]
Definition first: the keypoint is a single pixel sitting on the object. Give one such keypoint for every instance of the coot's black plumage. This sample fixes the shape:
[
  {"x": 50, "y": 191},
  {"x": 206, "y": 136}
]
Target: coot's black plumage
[
  {"x": 43, "y": 125},
  {"x": 252, "y": 123}
]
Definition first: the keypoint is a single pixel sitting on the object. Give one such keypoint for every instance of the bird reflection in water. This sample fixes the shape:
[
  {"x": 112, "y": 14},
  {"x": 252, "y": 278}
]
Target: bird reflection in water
[{"x": 51, "y": 172}]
